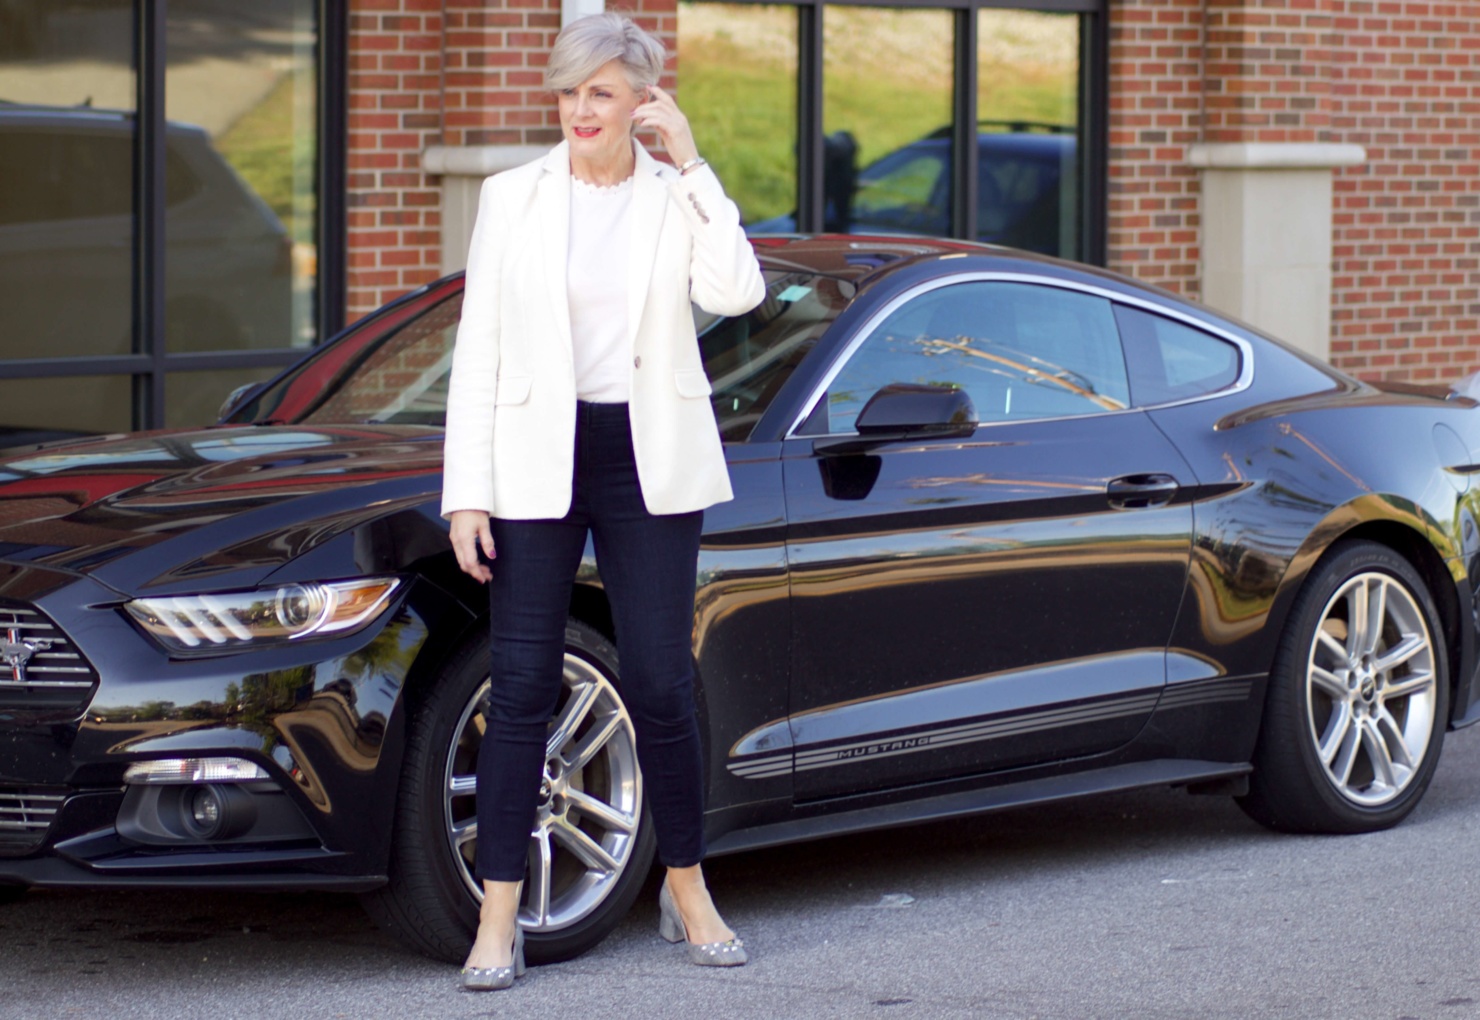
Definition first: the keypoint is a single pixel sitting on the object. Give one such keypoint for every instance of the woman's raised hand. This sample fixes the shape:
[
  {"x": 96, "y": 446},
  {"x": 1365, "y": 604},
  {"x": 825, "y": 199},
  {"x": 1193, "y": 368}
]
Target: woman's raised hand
[
  {"x": 470, "y": 530},
  {"x": 662, "y": 114}
]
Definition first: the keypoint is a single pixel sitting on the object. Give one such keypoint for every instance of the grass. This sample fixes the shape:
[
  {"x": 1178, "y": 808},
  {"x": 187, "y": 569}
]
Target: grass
[
  {"x": 272, "y": 141},
  {"x": 887, "y": 79}
]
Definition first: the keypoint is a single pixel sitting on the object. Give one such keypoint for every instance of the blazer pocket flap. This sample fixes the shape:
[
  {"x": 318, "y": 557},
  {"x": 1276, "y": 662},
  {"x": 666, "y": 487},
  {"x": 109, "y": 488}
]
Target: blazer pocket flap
[
  {"x": 692, "y": 383},
  {"x": 513, "y": 389}
]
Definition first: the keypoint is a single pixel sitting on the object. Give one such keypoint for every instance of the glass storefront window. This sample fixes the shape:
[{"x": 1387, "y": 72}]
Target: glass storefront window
[
  {"x": 39, "y": 410},
  {"x": 887, "y": 82},
  {"x": 66, "y": 179},
  {"x": 1028, "y": 126},
  {"x": 240, "y": 101},
  {"x": 737, "y": 82},
  {"x": 193, "y": 399}
]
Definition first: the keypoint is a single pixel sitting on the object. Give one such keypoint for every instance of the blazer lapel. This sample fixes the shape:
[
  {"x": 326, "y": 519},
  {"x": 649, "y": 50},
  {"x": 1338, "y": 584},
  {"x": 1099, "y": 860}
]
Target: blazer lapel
[
  {"x": 552, "y": 197},
  {"x": 649, "y": 202}
]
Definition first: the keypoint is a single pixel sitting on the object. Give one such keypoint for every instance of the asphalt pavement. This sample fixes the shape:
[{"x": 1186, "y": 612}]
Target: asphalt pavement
[{"x": 1149, "y": 905}]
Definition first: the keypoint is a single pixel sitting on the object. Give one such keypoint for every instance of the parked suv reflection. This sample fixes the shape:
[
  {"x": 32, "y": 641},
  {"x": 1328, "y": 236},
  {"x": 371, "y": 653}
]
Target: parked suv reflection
[
  {"x": 67, "y": 229},
  {"x": 1026, "y": 187}
]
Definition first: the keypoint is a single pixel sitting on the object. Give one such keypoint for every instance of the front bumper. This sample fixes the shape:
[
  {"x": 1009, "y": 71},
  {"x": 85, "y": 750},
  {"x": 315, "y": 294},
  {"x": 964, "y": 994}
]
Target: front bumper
[{"x": 323, "y": 720}]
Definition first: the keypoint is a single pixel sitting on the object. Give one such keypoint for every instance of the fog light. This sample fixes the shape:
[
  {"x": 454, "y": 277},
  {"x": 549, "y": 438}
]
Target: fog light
[
  {"x": 205, "y": 808},
  {"x": 217, "y": 812},
  {"x": 194, "y": 770}
]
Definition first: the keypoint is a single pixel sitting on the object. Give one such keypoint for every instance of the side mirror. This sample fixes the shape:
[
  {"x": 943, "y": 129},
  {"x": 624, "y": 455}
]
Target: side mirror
[
  {"x": 902, "y": 411},
  {"x": 235, "y": 399}
]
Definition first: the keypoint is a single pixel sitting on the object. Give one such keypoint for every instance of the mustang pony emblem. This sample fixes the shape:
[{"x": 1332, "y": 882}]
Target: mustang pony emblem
[{"x": 16, "y": 651}]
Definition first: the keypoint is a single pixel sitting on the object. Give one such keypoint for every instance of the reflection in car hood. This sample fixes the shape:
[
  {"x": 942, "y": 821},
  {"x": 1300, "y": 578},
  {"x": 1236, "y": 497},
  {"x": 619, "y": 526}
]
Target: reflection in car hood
[{"x": 208, "y": 508}]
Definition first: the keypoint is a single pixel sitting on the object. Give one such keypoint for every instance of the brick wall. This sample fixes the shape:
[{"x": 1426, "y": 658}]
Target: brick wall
[
  {"x": 1155, "y": 113},
  {"x": 1406, "y": 86},
  {"x": 394, "y": 215},
  {"x": 1267, "y": 71}
]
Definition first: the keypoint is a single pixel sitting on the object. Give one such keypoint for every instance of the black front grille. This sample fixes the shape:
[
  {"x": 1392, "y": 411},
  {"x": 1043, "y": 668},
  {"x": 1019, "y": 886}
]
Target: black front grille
[
  {"x": 25, "y": 815},
  {"x": 41, "y": 671}
]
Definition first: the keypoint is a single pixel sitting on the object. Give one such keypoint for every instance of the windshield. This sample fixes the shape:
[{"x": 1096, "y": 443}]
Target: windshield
[{"x": 396, "y": 373}]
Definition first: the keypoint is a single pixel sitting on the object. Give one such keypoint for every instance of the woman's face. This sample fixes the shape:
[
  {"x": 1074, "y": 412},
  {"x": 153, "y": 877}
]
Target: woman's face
[{"x": 596, "y": 115}]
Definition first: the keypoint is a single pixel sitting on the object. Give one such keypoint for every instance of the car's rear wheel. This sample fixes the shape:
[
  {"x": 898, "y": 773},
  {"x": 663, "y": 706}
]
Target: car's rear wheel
[
  {"x": 591, "y": 846},
  {"x": 1358, "y": 699},
  {"x": 11, "y": 893}
]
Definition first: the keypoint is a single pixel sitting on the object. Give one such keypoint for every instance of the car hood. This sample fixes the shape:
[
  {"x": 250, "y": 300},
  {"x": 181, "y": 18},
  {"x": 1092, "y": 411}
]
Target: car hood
[{"x": 211, "y": 508}]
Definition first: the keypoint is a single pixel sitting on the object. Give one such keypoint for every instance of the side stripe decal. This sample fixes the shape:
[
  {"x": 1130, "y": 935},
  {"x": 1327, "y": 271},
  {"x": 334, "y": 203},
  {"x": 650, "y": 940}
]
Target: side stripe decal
[{"x": 1182, "y": 696}]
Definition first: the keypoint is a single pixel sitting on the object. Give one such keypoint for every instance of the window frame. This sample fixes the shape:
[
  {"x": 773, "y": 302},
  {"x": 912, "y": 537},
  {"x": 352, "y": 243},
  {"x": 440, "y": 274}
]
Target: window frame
[
  {"x": 150, "y": 364},
  {"x": 881, "y": 314},
  {"x": 1094, "y": 107}
]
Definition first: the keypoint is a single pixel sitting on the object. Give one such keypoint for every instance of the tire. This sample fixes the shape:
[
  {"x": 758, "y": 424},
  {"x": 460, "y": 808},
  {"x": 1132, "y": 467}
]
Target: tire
[
  {"x": 11, "y": 893},
  {"x": 593, "y": 843},
  {"x": 1355, "y": 716}
]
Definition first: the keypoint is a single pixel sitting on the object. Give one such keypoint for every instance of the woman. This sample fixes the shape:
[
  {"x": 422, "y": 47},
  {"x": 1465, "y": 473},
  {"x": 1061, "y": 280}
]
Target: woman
[{"x": 578, "y": 401}]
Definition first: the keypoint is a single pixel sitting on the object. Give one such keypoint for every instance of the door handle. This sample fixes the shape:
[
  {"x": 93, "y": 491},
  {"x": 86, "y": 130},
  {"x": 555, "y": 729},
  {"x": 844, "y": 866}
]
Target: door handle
[{"x": 1140, "y": 492}]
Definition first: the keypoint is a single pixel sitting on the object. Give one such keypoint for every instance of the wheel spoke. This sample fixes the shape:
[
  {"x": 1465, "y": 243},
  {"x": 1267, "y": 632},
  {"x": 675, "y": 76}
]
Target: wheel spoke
[
  {"x": 591, "y": 853},
  {"x": 1333, "y": 646},
  {"x": 1377, "y": 752},
  {"x": 1346, "y": 752},
  {"x": 606, "y": 814},
  {"x": 463, "y": 786},
  {"x": 1413, "y": 683},
  {"x": 1338, "y": 732},
  {"x": 1386, "y": 729},
  {"x": 576, "y": 709},
  {"x": 1357, "y": 621},
  {"x": 1376, "y": 614},
  {"x": 541, "y": 860},
  {"x": 592, "y": 743},
  {"x": 1328, "y": 683},
  {"x": 463, "y": 832},
  {"x": 1401, "y": 652}
]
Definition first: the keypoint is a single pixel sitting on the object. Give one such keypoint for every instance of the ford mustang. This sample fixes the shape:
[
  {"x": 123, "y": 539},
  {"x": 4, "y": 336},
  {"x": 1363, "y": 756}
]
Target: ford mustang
[{"x": 1006, "y": 530}]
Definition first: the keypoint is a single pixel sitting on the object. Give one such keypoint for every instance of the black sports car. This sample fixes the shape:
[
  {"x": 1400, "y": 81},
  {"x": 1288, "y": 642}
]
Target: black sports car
[{"x": 1006, "y": 530}]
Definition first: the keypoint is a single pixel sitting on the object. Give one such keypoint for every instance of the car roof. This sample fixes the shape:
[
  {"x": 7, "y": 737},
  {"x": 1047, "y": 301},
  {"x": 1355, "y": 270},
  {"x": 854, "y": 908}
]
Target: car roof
[
  {"x": 74, "y": 118},
  {"x": 866, "y": 260}
]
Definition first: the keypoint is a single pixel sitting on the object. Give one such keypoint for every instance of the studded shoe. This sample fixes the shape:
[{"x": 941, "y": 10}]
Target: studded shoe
[
  {"x": 707, "y": 954},
  {"x": 492, "y": 979}
]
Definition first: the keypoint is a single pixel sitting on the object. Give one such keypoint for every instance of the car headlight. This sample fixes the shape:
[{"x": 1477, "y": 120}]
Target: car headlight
[{"x": 225, "y": 620}]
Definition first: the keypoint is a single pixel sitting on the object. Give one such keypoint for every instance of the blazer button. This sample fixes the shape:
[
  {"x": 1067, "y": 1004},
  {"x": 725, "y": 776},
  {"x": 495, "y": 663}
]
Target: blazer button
[{"x": 637, "y": 361}]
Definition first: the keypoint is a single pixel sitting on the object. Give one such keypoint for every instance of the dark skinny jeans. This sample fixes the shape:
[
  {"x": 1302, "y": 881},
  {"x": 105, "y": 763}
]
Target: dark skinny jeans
[{"x": 648, "y": 565}]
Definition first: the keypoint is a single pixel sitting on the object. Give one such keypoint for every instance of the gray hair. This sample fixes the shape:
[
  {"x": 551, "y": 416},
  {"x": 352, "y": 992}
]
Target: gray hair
[{"x": 587, "y": 43}]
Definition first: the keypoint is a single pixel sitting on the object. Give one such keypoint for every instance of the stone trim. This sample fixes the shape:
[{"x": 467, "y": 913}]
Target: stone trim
[
  {"x": 478, "y": 160},
  {"x": 1274, "y": 155}
]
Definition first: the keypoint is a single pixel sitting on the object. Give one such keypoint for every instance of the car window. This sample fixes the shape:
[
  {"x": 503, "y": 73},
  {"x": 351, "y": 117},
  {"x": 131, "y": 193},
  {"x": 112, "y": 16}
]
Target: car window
[
  {"x": 402, "y": 380},
  {"x": 52, "y": 175},
  {"x": 1021, "y": 351},
  {"x": 748, "y": 357},
  {"x": 1172, "y": 361},
  {"x": 397, "y": 373}
]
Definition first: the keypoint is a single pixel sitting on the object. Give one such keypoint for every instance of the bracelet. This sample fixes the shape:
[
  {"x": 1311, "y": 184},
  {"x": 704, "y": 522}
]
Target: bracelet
[{"x": 690, "y": 164}]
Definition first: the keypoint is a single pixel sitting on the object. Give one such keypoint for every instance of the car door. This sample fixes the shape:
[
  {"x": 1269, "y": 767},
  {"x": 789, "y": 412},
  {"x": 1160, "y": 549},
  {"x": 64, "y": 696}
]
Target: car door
[{"x": 976, "y": 603}]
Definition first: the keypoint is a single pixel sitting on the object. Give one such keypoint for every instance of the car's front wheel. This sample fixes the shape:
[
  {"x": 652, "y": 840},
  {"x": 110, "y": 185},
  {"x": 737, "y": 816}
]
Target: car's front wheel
[
  {"x": 1358, "y": 699},
  {"x": 591, "y": 846},
  {"x": 11, "y": 893}
]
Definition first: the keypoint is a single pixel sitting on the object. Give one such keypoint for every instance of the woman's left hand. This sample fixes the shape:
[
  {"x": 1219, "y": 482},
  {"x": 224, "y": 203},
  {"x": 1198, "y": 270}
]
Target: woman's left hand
[{"x": 662, "y": 114}]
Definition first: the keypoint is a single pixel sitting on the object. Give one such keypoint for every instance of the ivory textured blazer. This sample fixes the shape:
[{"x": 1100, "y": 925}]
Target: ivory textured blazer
[{"x": 511, "y": 406}]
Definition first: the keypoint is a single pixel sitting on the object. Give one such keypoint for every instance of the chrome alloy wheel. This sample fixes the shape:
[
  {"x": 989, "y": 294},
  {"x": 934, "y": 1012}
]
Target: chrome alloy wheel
[
  {"x": 590, "y": 801},
  {"x": 1370, "y": 689}
]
